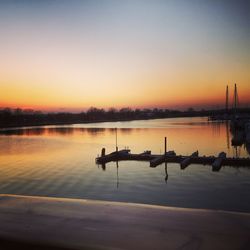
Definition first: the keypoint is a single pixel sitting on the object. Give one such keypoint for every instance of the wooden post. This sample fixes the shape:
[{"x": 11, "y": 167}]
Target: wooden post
[
  {"x": 165, "y": 149},
  {"x": 103, "y": 151},
  {"x": 116, "y": 147}
]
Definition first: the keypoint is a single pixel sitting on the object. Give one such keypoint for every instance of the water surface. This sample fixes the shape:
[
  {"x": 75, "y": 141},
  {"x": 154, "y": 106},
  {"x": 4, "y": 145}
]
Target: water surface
[{"x": 59, "y": 161}]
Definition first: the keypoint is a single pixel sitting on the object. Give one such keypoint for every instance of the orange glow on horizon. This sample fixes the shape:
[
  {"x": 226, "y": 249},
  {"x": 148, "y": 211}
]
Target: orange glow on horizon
[
  {"x": 175, "y": 57},
  {"x": 119, "y": 88},
  {"x": 182, "y": 96}
]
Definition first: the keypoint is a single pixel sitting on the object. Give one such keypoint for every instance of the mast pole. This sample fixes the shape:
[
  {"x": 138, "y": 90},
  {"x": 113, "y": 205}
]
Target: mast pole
[
  {"x": 227, "y": 99},
  {"x": 235, "y": 98}
]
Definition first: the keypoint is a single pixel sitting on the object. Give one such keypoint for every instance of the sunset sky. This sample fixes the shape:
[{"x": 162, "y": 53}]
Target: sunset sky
[{"x": 70, "y": 55}]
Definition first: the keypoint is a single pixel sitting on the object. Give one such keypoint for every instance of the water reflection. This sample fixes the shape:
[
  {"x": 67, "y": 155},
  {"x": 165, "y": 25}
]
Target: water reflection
[
  {"x": 126, "y": 130},
  {"x": 239, "y": 141},
  {"x": 60, "y": 131},
  {"x": 228, "y": 136},
  {"x": 183, "y": 136},
  {"x": 248, "y": 148},
  {"x": 165, "y": 164},
  {"x": 117, "y": 175},
  {"x": 60, "y": 161},
  {"x": 52, "y": 131},
  {"x": 103, "y": 166},
  {"x": 166, "y": 172}
]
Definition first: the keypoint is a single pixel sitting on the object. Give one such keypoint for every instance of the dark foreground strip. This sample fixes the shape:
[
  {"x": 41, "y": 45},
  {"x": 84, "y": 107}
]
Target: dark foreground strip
[{"x": 7, "y": 244}]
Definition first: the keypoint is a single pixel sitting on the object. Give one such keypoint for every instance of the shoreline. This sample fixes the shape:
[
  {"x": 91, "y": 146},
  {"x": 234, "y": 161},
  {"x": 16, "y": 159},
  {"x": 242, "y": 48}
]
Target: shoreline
[
  {"x": 10, "y": 119},
  {"x": 89, "y": 122}
]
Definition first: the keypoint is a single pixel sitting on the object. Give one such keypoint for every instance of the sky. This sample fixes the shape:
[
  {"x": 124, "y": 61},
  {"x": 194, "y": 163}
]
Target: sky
[{"x": 71, "y": 55}]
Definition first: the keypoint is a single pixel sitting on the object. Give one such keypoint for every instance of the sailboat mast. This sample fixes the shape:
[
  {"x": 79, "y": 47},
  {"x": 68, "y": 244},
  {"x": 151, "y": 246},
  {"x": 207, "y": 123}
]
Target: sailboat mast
[
  {"x": 227, "y": 99},
  {"x": 235, "y": 98}
]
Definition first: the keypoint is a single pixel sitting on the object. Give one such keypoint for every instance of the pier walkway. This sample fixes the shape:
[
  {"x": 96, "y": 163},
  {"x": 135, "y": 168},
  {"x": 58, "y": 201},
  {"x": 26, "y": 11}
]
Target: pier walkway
[{"x": 53, "y": 223}]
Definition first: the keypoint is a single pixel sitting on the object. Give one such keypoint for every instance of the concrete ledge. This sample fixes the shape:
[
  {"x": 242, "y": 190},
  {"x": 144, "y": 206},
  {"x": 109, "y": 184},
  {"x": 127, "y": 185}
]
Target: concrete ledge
[{"x": 85, "y": 224}]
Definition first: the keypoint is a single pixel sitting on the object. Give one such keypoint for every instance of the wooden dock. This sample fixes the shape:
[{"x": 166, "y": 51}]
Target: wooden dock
[{"x": 215, "y": 161}]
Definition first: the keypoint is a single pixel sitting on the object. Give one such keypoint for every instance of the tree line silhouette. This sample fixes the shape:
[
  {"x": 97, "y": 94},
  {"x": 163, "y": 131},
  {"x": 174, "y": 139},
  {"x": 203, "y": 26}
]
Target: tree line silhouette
[{"x": 18, "y": 117}]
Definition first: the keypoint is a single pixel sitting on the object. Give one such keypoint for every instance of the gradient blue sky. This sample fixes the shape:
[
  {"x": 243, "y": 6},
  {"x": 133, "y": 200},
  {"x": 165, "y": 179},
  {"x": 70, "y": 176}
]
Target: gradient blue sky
[{"x": 76, "y": 54}]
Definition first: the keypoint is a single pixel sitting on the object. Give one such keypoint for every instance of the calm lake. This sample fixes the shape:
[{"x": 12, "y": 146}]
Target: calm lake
[{"x": 59, "y": 161}]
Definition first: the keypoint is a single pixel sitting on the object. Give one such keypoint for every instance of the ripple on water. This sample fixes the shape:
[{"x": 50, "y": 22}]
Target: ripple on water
[{"x": 61, "y": 162}]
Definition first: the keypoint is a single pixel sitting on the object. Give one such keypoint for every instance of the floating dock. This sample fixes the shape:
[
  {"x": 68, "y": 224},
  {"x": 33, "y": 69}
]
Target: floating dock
[{"x": 215, "y": 161}]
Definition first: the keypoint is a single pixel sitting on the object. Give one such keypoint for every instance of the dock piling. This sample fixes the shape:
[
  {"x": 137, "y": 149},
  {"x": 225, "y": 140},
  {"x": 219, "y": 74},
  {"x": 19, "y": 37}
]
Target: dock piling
[
  {"x": 216, "y": 165},
  {"x": 116, "y": 147},
  {"x": 165, "y": 148},
  {"x": 103, "y": 152},
  {"x": 187, "y": 160}
]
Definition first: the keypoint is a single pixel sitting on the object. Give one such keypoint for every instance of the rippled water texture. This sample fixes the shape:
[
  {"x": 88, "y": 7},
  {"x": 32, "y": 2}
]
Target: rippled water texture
[{"x": 60, "y": 161}]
